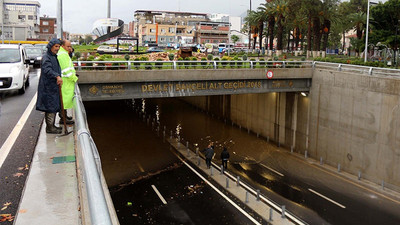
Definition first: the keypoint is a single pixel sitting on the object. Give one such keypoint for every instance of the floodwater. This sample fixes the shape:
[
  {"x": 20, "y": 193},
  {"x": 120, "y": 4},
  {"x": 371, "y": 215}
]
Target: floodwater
[
  {"x": 129, "y": 136},
  {"x": 136, "y": 157}
]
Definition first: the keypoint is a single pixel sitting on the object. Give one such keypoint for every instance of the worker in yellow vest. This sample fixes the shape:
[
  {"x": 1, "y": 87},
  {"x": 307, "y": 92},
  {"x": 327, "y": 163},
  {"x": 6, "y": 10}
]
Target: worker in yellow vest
[{"x": 68, "y": 75}]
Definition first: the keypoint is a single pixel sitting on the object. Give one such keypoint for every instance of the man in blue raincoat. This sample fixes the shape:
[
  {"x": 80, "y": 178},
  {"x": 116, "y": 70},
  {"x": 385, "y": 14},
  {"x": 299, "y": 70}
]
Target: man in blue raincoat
[{"x": 48, "y": 99}]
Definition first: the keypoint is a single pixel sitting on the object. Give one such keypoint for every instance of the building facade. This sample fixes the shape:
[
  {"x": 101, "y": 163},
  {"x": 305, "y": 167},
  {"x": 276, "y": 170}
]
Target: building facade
[
  {"x": 167, "y": 28},
  {"x": 212, "y": 32},
  {"x": 47, "y": 28},
  {"x": 21, "y": 19}
]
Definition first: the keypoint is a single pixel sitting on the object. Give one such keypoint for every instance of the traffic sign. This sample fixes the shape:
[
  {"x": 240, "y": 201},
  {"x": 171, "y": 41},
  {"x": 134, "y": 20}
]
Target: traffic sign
[{"x": 270, "y": 74}]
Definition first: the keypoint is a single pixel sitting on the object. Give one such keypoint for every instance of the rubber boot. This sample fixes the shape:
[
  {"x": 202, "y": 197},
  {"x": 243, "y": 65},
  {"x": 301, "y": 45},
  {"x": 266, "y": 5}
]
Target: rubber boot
[
  {"x": 50, "y": 127},
  {"x": 69, "y": 120}
]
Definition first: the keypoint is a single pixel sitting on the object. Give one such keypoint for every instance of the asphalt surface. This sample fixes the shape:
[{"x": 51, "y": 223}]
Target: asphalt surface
[
  {"x": 147, "y": 160},
  {"x": 14, "y": 171},
  {"x": 314, "y": 193},
  {"x": 188, "y": 200}
]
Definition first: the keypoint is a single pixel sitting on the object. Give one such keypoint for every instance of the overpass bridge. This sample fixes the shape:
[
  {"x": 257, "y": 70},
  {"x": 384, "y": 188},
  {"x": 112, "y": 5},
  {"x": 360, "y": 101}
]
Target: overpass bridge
[{"x": 168, "y": 79}]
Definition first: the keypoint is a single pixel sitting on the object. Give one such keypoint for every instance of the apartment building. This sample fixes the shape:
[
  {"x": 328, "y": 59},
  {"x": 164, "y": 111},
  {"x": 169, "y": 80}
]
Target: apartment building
[
  {"x": 168, "y": 28},
  {"x": 212, "y": 32},
  {"x": 21, "y": 19},
  {"x": 47, "y": 28}
]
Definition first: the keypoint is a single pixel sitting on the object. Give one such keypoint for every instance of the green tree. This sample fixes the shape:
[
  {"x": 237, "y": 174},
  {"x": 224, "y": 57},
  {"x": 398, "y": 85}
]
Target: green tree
[
  {"x": 385, "y": 20},
  {"x": 88, "y": 39},
  {"x": 234, "y": 39}
]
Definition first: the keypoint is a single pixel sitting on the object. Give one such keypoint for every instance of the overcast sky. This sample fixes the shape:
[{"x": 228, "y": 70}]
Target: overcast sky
[{"x": 79, "y": 15}]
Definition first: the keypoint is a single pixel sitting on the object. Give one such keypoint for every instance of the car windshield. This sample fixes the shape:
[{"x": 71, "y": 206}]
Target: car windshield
[
  {"x": 8, "y": 55},
  {"x": 33, "y": 51}
]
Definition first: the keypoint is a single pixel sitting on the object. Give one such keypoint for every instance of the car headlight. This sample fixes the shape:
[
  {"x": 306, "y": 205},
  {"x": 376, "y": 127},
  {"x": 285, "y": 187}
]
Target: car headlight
[{"x": 39, "y": 58}]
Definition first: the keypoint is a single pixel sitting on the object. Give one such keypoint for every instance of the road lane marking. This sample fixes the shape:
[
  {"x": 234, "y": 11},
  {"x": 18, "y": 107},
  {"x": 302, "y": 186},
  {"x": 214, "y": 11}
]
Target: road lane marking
[
  {"x": 267, "y": 167},
  {"x": 219, "y": 192},
  {"x": 5, "y": 149},
  {"x": 159, "y": 194},
  {"x": 324, "y": 197},
  {"x": 269, "y": 203},
  {"x": 347, "y": 180}
]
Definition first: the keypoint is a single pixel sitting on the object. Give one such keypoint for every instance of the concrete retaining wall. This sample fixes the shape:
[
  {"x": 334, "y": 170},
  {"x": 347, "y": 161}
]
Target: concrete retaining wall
[
  {"x": 355, "y": 121},
  {"x": 348, "y": 119}
]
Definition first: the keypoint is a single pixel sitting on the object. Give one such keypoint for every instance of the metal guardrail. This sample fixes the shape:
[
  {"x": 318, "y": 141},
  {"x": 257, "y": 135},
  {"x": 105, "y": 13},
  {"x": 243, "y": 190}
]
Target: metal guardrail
[
  {"x": 177, "y": 65},
  {"x": 91, "y": 165},
  {"x": 372, "y": 71}
]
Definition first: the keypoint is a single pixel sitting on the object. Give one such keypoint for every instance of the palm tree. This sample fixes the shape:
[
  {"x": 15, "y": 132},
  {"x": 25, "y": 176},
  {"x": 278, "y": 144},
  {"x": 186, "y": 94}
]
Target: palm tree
[
  {"x": 268, "y": 9},
  {"x": 329, "y": 15},
  {"x": 344, "y": 24},
  {"x": 252, "y": 24},
  {"x": 280, "y": 10},
  {"x": 310, "y": 9},
  {"x": 358, "y": 20}
]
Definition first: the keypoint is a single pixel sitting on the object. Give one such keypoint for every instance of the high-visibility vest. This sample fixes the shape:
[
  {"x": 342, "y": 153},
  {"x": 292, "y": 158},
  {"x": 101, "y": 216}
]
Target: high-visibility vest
[{"x": 69, "y": 77}]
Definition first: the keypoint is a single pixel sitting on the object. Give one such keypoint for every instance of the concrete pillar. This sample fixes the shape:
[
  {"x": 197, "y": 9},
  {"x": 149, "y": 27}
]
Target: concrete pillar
[{"x": 294, "y": 119}]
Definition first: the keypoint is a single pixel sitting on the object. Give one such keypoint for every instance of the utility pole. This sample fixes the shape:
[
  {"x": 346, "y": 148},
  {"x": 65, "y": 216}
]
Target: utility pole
[
  {"x": 2, "y": 20},
  {"x": 59, "y": 21},
  {"x": 396, "y": 60},
  {"x": 109, "y": 14},
  {"x": 109, "y": 9},
  {"x": 249, "y": 26}
]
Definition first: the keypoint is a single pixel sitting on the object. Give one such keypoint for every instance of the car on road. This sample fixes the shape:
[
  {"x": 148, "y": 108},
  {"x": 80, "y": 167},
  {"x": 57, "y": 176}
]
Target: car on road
[
  {"x": 42, "y": 46},
  {"x": 14, "y": 68},
  {"x": 154, "y": 49},
  {"x": 106, "y": 49},
  {"x": 34, "y": 55}
]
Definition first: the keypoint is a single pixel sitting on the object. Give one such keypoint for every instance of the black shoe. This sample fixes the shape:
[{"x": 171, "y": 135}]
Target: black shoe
[
  {"x": 50, "y": 128},
  {"x": 53, "y": 130}
]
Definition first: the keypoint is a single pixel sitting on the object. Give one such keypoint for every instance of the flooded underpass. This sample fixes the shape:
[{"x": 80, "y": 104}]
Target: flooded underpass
[{"x": 135, "y": 158}]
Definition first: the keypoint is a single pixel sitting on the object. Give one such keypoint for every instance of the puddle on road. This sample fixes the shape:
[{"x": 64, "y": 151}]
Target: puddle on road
[{"x": 260, "y": 176}]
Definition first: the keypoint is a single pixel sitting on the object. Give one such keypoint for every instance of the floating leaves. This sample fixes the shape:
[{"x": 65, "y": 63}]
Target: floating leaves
[
  {"x": 18, "y": 174},
  {"x": 5, "y": 205},
  {"x": 6, "y": 217}
]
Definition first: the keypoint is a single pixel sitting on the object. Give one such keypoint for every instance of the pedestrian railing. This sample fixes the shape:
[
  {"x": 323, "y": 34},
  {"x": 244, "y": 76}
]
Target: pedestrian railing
[
  {"x": 91, "y": 166},
  {"x": 215, "y": 65},
  {"x": 184, "y": 65},
  {"x": 366, "y": 70}
]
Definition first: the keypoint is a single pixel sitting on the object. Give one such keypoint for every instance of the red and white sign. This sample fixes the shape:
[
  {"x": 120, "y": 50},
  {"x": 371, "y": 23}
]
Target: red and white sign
[{"x": 270, "y": 74}]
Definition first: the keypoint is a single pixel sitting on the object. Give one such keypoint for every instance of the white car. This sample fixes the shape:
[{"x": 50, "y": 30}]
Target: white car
[
  {"x": 106, "y": 49},
  {"x": 14, "y": 68}
]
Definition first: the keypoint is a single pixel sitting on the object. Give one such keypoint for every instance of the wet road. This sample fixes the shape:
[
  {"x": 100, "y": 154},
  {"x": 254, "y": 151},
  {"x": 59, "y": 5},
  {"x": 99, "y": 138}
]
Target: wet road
[
  {"x": 314, "y": 194},
  {"x": 141, "y": 168},
  {"x": 186, "y": 199},
  {"x": 16, "y": 166}
]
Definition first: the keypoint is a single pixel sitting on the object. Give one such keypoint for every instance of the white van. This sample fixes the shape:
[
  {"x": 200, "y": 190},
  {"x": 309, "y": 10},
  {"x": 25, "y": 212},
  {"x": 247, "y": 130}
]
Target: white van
[
  {"x": 106, "y": 49},
  {"x": 14, "y": 68}
]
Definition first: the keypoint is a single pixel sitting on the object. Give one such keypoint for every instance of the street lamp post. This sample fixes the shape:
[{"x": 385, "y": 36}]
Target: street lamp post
[
  {"x": 366, "y": 36},
  {"x": 249, "y": 27},
  {"x": 60, "y": 20},
  {"x": 395, "y": 45},
  {"x": 2, "y": 21}
]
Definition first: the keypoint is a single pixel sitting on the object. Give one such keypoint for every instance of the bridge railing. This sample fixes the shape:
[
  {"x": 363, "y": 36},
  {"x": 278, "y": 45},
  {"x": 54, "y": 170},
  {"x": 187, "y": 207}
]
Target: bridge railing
[
  {"x": 91, "y": 168},
  {"x": 367, "y": 70},
  {"x": 178, "y": 65},
  {"x": 184, "y": 65}
]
